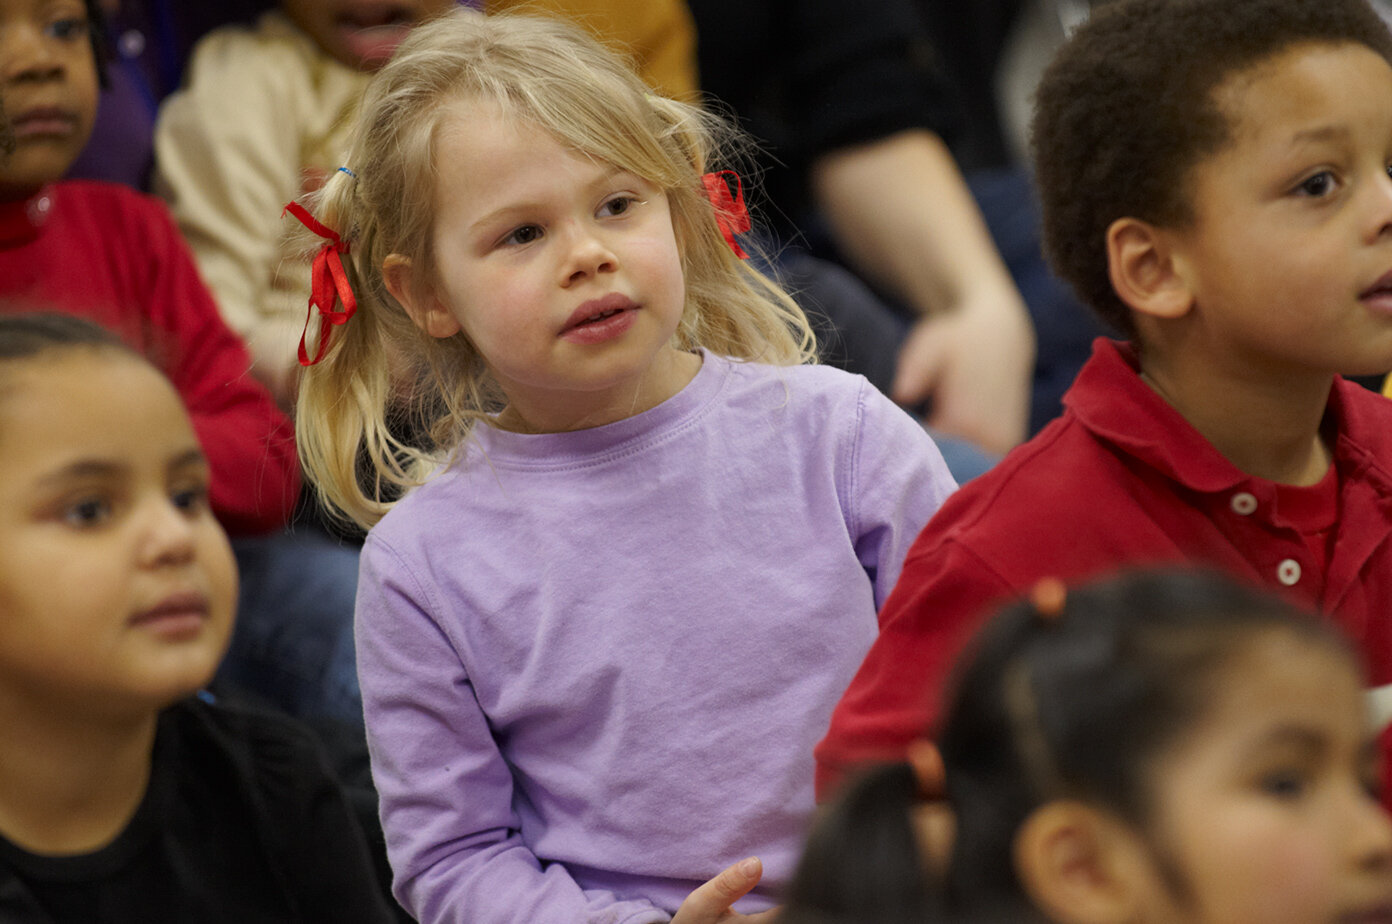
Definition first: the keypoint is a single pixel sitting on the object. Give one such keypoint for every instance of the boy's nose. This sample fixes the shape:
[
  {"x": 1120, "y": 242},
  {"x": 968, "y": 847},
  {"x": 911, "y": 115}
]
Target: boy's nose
[{"x": 1381, "y": 222}]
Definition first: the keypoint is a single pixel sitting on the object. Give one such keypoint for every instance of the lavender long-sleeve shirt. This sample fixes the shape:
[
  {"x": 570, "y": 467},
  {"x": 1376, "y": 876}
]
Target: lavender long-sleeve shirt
[{"x": 594, "y": 664}]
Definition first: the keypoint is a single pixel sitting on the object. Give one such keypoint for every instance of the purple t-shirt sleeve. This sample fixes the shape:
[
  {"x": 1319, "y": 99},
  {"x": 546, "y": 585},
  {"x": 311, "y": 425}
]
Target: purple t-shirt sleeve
[
  {"x": 442, "y": 778},
  {"x": 896, "y": 480}
]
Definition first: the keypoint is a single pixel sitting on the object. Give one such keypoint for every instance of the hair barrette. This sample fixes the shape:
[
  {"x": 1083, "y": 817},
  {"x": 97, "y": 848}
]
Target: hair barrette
[
  {"x": 329, "y": 284},
  {"x": 731, "y": 215},
  {"x": 1048, "y": 597}
]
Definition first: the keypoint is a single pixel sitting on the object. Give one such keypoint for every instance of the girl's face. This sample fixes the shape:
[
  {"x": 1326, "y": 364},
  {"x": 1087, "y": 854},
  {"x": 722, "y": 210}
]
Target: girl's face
[
  {"x": 48, "y": 81},
  {"x": 563, "y": 272},
  {"x": 117, "y": 585},
  {"x": 1268, "y": 811}
]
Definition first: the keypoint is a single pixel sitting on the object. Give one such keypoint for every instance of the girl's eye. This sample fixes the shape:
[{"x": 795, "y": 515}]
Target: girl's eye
[
  {"x": 69, "y": 29},
  {"x": 90, "y": 511},
  {"x": 523, "y": 235},
  {"x": 1284, "y": 784},
  {"x": 617, "y": 205},
  {"x": 191, "y": 500},
  {"x": 1372, "y": 785},
  {"x": 1317, "y": 186}
]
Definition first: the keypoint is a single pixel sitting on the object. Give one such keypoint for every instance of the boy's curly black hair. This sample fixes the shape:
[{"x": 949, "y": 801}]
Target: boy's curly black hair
[{"x": 1127, "y": 109}]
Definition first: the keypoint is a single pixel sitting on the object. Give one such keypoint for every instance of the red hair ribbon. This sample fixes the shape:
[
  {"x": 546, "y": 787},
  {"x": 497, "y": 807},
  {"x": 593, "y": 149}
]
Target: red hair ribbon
[
  {"x": 730, "y": 213},
  {"x": 329, "y": 284}
]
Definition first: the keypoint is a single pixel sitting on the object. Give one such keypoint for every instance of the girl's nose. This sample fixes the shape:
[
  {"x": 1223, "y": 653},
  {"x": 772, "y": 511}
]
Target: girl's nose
[
  {"x": 26, "y": 54},
  {"x": 167, "y": 535},
  {"x": 1370, "y": 837},
  {"x": 587, "y": 255}
]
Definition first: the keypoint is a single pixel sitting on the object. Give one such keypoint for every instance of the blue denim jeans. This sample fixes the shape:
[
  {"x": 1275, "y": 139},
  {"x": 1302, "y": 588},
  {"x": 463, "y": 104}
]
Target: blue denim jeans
[{"x": 293, "y": 643}]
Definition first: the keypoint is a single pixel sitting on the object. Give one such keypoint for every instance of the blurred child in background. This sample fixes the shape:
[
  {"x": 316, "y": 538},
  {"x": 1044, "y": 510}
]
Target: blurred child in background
[
  {"x": 123, "y": 797},
  {"x": 1157, "y": 747}
]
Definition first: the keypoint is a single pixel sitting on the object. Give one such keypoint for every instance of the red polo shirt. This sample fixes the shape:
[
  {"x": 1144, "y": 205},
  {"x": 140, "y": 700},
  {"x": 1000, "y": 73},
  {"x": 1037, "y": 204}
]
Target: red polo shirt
[{"x": 1121, "y": 479}]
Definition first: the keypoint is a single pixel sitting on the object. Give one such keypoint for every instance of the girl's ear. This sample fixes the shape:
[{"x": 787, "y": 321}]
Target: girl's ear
[
  {"x": 932, "y": 819},
  {"x": 427, "y": 311},
  {"x": 1080, "y": 866},
  {"x": 927, "y": 763},
  {"x": 1145, "y": 271}
]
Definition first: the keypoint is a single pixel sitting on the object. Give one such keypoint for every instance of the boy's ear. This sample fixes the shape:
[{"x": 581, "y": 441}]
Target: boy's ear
[
  {"x": 1080, "y": 866},
  {"x": 424, "y": 308},
  {"x": 1144, "y": 269}
]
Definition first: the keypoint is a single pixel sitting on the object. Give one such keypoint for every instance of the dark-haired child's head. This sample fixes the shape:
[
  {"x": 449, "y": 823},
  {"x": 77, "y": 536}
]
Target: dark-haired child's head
[
  {"x": 1161, "y": 747},
  {"x": 117, "y": 585},
  {"x": 49, "y": 83},
  {"x": 361, "y": 35},
  {"x": 1149, "y": 93}
]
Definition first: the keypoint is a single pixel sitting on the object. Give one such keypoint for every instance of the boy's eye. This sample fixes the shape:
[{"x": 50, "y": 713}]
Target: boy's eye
[
  {"x": 617, "y": 205},
  {"x": 69, "y": 29},
  {"x": 90, "y": 511},
  {"x": 523, "y": 235},
  {"x": 1321, "y": 184}
]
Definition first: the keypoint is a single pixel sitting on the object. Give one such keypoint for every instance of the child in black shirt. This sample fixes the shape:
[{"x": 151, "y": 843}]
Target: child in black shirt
[{"x": 123, "y": 797}]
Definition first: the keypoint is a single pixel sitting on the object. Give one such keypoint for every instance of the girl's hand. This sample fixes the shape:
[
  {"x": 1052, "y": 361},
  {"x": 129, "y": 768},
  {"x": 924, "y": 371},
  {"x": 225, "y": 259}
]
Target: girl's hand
[{"x": 710, "y": 903}]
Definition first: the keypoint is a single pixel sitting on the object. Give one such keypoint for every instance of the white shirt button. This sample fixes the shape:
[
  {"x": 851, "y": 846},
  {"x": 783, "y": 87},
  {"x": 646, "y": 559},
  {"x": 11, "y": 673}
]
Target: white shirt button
[
  {"x": 1243, "y": 504},
  {"x": 1288, "y": 572}
]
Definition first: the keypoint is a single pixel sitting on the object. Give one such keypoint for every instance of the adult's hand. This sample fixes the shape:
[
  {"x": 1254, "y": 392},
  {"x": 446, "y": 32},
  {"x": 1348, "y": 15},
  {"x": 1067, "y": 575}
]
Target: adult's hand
[
  {"x": 901, "y": 211},
  {"x": 974, "y": 364}
]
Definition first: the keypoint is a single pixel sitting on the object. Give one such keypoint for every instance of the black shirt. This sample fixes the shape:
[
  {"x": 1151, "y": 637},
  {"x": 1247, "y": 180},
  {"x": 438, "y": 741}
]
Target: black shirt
[{"x": 241, "y": 823}]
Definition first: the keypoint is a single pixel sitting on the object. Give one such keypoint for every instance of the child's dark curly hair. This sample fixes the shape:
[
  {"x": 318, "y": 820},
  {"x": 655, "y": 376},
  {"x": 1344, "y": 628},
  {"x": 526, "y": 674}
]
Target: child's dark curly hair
[{"x": 1127, "y": 109}]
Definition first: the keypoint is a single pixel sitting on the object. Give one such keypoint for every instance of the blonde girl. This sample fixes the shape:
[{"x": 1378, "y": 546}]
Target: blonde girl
[{"x": 626, "y": 544}]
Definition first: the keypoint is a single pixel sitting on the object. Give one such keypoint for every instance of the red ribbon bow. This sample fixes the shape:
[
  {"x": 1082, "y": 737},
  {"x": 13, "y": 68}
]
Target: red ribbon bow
[
  {"x": 730, "y": 213},
  {"x": 329, "y": 284}
]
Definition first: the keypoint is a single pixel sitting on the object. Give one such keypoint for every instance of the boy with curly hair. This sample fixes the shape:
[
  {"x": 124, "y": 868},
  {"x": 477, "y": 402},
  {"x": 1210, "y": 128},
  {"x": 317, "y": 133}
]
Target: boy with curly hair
[{"x": 1215, "y": 182}]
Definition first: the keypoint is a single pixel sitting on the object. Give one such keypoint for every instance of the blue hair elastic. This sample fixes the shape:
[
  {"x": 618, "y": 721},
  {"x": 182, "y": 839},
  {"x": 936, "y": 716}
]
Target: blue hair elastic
[{"x": 347, "y": 171}]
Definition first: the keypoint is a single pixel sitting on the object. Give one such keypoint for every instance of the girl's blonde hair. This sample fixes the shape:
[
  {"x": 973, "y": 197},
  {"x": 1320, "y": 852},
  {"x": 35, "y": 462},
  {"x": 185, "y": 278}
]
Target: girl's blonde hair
[{"x": 381, "y": 376}]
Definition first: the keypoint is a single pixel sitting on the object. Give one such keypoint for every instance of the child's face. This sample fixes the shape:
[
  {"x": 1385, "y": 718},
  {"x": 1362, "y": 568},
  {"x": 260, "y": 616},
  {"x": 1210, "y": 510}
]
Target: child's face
[
  {"x": 49, "y": 89},
  {"x": 1289, "y": 258},
  {"x": 361, "y": 33},
  {"x": 562, "y": 271},
  {"x": 117, "y": 585},
  {"x": 1265, "y": 813}
]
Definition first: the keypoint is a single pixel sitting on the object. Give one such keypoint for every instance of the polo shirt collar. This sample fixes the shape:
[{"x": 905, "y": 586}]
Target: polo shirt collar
[{"x": 1112, "y": 401}]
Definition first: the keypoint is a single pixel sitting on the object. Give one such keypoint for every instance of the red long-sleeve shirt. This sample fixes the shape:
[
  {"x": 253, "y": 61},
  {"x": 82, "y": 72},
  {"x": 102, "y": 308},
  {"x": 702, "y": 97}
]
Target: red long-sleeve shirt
[{"x": 113, "y": 256}]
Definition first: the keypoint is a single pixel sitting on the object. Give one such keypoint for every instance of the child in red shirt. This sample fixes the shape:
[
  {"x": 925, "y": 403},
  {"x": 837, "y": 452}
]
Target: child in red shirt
[{"x": 1214, "y": 182}]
